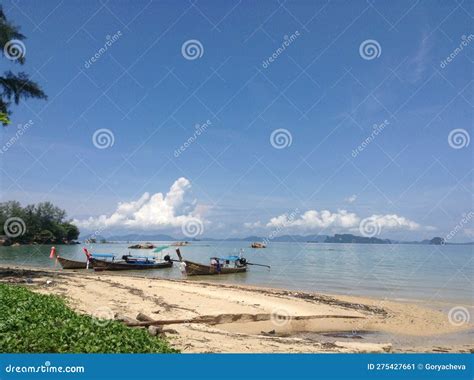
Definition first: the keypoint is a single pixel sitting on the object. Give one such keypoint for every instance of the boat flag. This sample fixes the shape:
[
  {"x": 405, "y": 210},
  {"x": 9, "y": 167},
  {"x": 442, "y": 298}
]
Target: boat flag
[{"x": 52, "y": 254}]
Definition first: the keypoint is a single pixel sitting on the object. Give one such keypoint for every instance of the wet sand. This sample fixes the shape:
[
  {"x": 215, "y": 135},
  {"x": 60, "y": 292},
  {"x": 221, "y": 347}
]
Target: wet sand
[{"x": 252, "y": 319}]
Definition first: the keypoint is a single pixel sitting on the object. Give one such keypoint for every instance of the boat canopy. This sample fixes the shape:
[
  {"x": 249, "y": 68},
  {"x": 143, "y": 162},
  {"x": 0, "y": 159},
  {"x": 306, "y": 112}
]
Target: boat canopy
[
  {"x": 159, "y": 249},
  {"x": 227, "y": 258},
  {"x": 109, "y": 255},
  {"x": 142, "y": 257}
]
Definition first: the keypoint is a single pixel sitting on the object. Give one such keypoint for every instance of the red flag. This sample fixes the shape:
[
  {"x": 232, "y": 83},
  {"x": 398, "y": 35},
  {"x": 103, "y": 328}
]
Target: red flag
[{"x": 52, "y": 255}]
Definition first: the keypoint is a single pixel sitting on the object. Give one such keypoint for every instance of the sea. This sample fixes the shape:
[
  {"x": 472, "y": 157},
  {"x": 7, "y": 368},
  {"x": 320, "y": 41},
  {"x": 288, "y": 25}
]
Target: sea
[{"x": 429, "y": 273}]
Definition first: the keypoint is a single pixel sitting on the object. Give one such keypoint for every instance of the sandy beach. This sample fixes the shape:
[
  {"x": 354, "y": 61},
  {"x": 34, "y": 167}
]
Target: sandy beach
[{"x": 248, "y": 319}]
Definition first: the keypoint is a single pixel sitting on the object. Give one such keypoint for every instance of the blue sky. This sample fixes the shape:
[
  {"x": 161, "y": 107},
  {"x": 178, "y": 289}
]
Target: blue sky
[{"x": 320, "y": 89}]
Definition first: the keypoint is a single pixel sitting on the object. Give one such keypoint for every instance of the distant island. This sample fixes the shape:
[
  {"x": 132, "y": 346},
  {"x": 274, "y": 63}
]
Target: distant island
[
  {"x": 315, "y": 238},
  {"x": 42, "y": 223},
  {"x": 353, "y": 239}
]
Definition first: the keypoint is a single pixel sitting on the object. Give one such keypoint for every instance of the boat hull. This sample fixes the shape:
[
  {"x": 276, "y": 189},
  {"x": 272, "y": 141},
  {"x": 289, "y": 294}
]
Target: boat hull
[
  {"x": 100, "y": 265},
  {"x": 71, "y": 264},
  {"x": 196, "y": 269}
]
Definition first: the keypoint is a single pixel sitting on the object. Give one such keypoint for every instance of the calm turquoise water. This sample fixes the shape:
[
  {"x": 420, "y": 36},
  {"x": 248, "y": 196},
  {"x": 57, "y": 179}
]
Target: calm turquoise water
[{"x": 428, "y": 273}]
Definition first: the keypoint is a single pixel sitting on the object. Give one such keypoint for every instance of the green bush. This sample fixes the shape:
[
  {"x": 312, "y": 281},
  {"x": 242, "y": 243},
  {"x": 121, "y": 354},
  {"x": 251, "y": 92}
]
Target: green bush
[{"x": 31, "y": 322}]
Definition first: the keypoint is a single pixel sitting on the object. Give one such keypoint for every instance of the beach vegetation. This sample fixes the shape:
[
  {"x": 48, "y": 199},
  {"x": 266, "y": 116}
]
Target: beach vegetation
[{"x": 39, "y": 323}]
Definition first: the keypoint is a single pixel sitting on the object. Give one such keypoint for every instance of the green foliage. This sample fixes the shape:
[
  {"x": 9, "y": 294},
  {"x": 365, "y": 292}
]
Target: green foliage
[
  {"x": 36, "y": 323},
  {"x": 44, "y": 223},
  {"x": 14, "y": 87}
]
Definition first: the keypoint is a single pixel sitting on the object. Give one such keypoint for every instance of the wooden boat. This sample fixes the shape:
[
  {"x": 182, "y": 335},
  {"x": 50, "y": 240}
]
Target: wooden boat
[
  {"x": 196, "y": 269},
  {"x": 71, "y": 264},
  {"x": 142, "y": 246},
  {"x": 100, "y": 265},
  {"x": 180, "y": 243},
  {"x": 258, "y": 245}
]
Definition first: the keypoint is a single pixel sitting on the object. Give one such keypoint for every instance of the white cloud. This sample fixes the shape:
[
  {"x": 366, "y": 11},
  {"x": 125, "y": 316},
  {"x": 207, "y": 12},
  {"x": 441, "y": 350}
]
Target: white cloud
[
  {"x": 351, "y": 199},
  {"x": 149, "y": 211},
  {"x": 318, "y": 219},
  {"x": 341, "y": 220},
  {"x": 394, "y": 222},
  {"x": 253, "y": 225}
]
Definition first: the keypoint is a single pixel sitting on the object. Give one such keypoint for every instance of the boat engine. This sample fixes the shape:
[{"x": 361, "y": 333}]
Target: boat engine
[{"x": 241, "y": 262}]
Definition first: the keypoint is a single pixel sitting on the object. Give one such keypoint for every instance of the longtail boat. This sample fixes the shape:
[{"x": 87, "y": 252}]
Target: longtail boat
[
  {"x": 196, "y": 269},
  {"x": 128, "y": 262},
  {"x": 218, "y": 265},
  {"x": 100, "y": 265},
  {"x": 71, "y": 264},
  {"x": 101, "y": 261}
]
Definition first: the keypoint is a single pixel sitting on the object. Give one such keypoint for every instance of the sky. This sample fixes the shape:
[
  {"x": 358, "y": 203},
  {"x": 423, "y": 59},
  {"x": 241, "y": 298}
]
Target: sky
[{"x": 237, "y": 118}]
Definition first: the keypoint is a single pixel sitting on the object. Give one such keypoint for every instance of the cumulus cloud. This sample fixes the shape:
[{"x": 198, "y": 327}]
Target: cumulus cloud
[
  {"x": 318, "y": 219},
  {"x": 156, "y": 211},
  {"x": 394, "y": 222},
  {"x": 340, "y": 220}
]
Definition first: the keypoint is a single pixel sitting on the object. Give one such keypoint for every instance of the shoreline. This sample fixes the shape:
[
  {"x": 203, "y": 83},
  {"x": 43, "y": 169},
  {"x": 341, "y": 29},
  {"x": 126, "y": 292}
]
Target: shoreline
[{"x": 251, "y": 318}]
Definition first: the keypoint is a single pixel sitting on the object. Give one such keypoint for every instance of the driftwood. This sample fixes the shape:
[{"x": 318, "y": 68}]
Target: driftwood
[
  {"x": 123, "y": 318},
  {"x": 143, "y": 318},
  {"x": 229, "y": 318}
]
